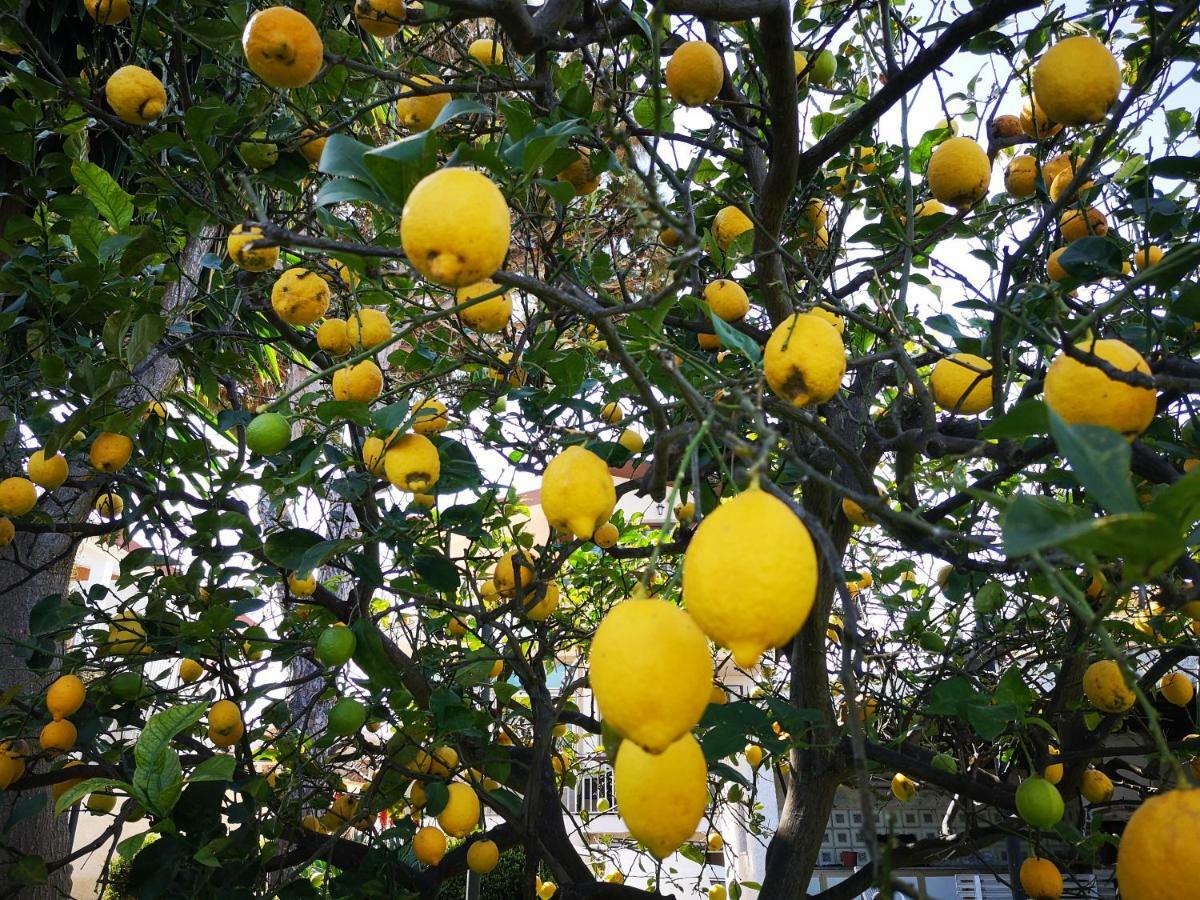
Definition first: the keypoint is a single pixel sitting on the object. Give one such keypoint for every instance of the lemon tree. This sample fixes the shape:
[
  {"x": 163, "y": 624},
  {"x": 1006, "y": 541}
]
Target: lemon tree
[{"x": 482, "y": 402}]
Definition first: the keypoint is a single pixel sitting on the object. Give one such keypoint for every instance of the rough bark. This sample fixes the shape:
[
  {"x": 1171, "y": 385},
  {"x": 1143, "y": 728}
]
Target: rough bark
[{"x": 36, "y": 566}]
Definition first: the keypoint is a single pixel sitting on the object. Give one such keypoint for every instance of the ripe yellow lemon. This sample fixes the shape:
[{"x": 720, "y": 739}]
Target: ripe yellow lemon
[
  {"x": 258, "y": 259},
  {"x": 579, "y": 175},
  {"x": 487, "y": 316},
  {"x": 611, "y": 413},
  {"x": 1105, "y": 687},
  {"x": 368, "y": 328},
  {"x": 959, "y": 172},
  {"x": 513, "y": 567},
  {"x": 455, "y": 227},
  {"x": 17, "y": 496},
  {"x": 1075, "y": 224},
  {"x": 12, "y": 763},
  {"x": 136, "y": 95},
  {"x": 59, "y": 735},
  {"x": 727, "y": 299},
  {"x": 225, "y": 726},
  {"x": 904, "y": 788},
  {"x": 429, "y": 845},
  {"x": 48, "y": 473},
  {"x": 750, "y": 575},
  {"x": 310, "y": 146},
  {"x": 541, "y": 602},
  {"x": 695, "y": 73},
  {"x": 1077, "y": 80},
  {"x": 110, "y": 452},
  {"x": 381, "y": 18},
  {"x": 577, "y": 492},
  {"x": 486, "y": 52},
  {"x": 302, "y": 587},
  {"x": 8, "y": 531},
  {"x": 962, "y": 383},
  {"x": 855, "y": 514},
  {"x": 1082, "y": 394},
  {"x": 461, "y": 813},
  {"x": 107, "y": 12},
  {"x": 1057, "y": 165},
  {"x": 1095, "y": 786},
  {"x": 411, "y": 463},
  {"x": 606, "y": 536},
  {"x": 661, "y": 797},
  {"x": 1053, "y": 772},
  {"x": 126, "y": 634},
  {"x": 650, "y": 671},
  {"x": 805, "y": 359},
  {"x": 1146, "y": 257},
  {"x": 333, "y": 338},
  {"x": 1159, "y": 856},
  {"x": 361, "y": 382},
  {"x": 299, "y": 296},
  {"x": 190, "y": 671},
  {"x": 482, "y": 856},
  {"x": 429, "y": 417},
  {"x": 65, "y": 696},
  {"x": 728, "y": 224},
  {"x": 715, "y": 842},
  {"x": 1020, "y": 178},
  {"x": 1177, "y": 688},
  {"x": 282, "y": 47},
  {"x": 1040, "y": 879},
  {"x": 417, "y": 112},
  {"x": 631, "y": 441},
  {"x": 109, "y": 505},
  {"x": 372, "y": 453}
]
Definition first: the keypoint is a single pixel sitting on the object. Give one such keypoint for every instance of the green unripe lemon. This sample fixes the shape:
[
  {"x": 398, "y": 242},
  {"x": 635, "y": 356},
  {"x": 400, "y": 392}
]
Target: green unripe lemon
[
  {"x": 268, "y": 433},
  {"x": 347, "y": 717},
  {"x": 1039, "y": 803},
  {"x": 335, "y": 646}
]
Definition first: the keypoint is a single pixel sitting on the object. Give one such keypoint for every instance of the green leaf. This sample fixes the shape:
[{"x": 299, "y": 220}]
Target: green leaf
[
  {"x": 158, "y": 774},
  {"x": 460, "y": 472},
  {"x": 28, "y": 870},
  {"x": 109, "y": 198},
  {"x": 1176, "y": 264},
  {"x": 348, "y": 190},
  {"x": 286, "y": 548},
  {"x": 1186, "y": 168},
  {"x": 371, "y": 657},
  {"x": 145, "y": 335},
  {"x": 1180, "y": 503},
  {"x": 331, "y": 411},
  {"x": 1032, "y": 523},
  {"x": 1092, "y": 257},
  {"x": 73, "y": 795},
  {"x": 438, "y": 571},
  {"x": 343, "y": 156},
  {"x": 1099, "y": 458},
  {"x": 216, "y": 768},
  {"x": 1012, "y": 690},
  {"x": 437, "y": 795},
  {"x": 1027, "y": 418},
  {"x": 734, "y": 339}
]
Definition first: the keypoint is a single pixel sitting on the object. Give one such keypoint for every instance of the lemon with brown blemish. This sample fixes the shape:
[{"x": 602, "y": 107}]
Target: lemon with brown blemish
[
  {"x": 805, "y": 359},
  {"x": 959, "y": 172},
  {"x": 728, "y": 224},
  {"x": 300, "y": 297},
  {"x": 283, "y": 47},
  {"x": 411, "y": 463},
  {"x": 136, "y": 95},
  {"x": 107, "y": 12},
  {"x": 333, "y": 338},
  {"x": 455, "y": 227},
  {"x": 110, "y": 452},
  {"x": 244, "y": 256},
  {"x": 380, "y": 18}
]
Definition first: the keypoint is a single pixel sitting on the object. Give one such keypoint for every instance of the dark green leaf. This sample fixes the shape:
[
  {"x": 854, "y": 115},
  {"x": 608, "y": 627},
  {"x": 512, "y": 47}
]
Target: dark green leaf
[
  {"x": 1099, "y": 458},
  {"x": 286, "y": 548},
  {"x": 109, "y": 198}
]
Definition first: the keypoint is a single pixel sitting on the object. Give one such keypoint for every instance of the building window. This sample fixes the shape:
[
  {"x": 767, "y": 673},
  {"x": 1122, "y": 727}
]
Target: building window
[{"x": 591, "y": 788}]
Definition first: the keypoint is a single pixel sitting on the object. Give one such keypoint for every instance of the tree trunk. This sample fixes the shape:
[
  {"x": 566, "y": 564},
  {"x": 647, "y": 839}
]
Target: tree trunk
[{"x": 36, "y": 566}]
